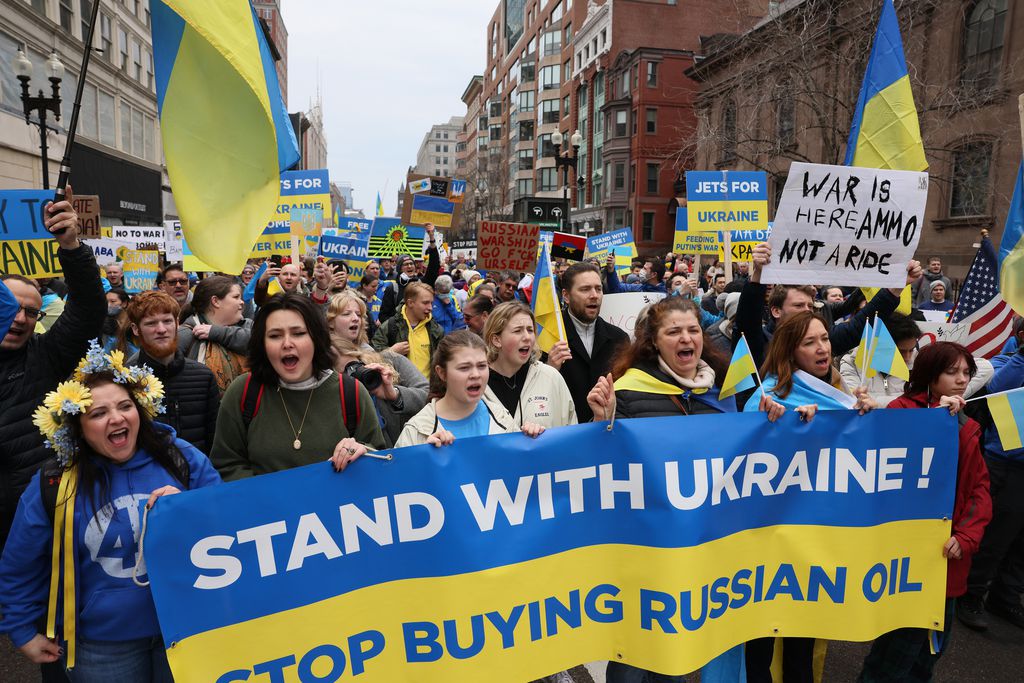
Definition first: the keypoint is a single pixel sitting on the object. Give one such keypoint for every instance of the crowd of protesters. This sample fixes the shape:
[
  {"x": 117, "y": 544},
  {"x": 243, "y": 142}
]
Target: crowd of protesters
[{"x": 303, "y": 365}]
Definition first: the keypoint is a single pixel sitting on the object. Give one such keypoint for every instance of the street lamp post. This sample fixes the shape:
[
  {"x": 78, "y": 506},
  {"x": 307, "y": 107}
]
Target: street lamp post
[
  {"x": 40, "y": 103},
  {"x": 565, "y": 162}
]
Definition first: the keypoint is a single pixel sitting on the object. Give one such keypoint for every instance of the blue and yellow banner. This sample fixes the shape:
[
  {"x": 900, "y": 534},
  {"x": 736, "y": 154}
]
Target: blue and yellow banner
[
  {"x": 508, "y": 558},
  {"x": 428, "y": 209},
  {"x": 726, "y": 200},
  {"x": 741, "y": 242},
  {"x": 621, "y": 241},
  {"x": 26, "y": 246},
  {"x": 353, "y": 249}
]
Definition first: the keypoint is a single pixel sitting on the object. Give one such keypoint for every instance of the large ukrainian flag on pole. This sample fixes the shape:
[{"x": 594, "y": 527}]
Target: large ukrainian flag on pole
[
  {"x": 226, "y": 132},
  {"x": 885, "y": 132}
]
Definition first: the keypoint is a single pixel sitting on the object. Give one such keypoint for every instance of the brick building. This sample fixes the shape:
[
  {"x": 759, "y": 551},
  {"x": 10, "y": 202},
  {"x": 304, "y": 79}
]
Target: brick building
[
  {"x": 552, "y": 66},
  {"x": 785, "y": 91},
  {"x": 467, "y": 155}
]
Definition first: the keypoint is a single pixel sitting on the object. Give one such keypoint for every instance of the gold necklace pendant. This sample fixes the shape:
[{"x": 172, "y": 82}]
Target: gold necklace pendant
[{"x": 296, "y": 444}]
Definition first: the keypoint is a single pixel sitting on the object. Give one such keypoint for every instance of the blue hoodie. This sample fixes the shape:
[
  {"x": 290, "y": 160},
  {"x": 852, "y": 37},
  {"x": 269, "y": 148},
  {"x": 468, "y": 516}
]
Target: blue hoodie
[
  {"x": 111, "y": 607},
  {"x": 1009, "y": 375}
]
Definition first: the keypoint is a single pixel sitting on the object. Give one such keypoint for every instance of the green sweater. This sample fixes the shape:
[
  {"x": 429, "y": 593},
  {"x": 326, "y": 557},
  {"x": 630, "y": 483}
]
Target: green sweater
[{"x": 266, "y": 446}]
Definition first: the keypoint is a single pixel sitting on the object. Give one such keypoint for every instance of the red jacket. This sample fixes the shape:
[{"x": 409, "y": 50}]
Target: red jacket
[{"x": 972, "y": 509}]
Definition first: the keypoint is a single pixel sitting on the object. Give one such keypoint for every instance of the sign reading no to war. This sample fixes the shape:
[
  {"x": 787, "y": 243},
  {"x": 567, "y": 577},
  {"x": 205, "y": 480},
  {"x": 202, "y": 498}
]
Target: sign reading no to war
[
  {"x": 525, "y": 557},
  {"x": 511, "y": 246},
  {"x": 726, "y": 200},
  {"x": 26, "y": 246},
  {"x": 846, "y": 226}
]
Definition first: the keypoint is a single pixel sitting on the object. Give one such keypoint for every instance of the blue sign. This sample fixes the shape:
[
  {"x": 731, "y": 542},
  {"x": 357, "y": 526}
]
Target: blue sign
[
  {"x": 609, "y": 240},
  {"x": 358, "y": 225},
  {"x": 719, "y": 200},
  {"x": 298, "y": 183}
]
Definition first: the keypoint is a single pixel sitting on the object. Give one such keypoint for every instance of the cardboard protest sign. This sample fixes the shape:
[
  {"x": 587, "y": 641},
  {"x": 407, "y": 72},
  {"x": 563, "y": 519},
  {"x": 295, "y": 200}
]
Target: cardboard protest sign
[
  {"x": 87, "y": 206},
  {"x": 140, "y": 270},
  {"x": 431, "y": 199},
  {"x": 389, "y": 237},
  {"x": 621, "y": 310},
  {"x": 621, "y": 241},
  {"x": 847, "y": 226},
  {"x": 456, "y": 191},
  {"x": 26, "y": 246},
  {"x": 306, "y": 225},
  {"x": 108, "y": 251},
  {"x": 726, "y": 200},
  {"x": 511, "y": 246},
  {"x": 569, "y": 247},
  {"x": 350, "y": 248}
]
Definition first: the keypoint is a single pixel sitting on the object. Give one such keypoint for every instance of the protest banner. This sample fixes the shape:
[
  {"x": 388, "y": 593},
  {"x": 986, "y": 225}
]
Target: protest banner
[
  {"x": 465, "y": 248},
  {"x": 568, "y": 247},
  {"x": 353, "y": 249},
  {"x": 846, "y": 226},
  {"x": 108, "y": 251},
  {"x": 390, "y": 237},
  {"x": 526, "y": 557},
  {"x": 299, "y": 190},
  {"x": 430, "y": 209},
  {"x": 433, "y": 201},
  {"x": 511, "y": 246},
  {"x": 457, "y": 191},
  {"x": 306, "y": 225},
  {"x": 621, "y": 310},
  {"x": 726, "y": 200},
  {"x": 619, "y": 240},
  {"x": 174, "y": 238},
  {"x": 87, "y": 206},
  {"x": 26, "y": 247},
  {"x": 354, "y": 224},
  {"x": 141, "y": 235},
  {"x": 932, "y": 332},
  {"x": 141, "y": 268},
  {"x": 544, "y": 239},
  {"x": 742, "y": 243},
  {"x": 418, "y": 186},
  {"x": 275, "y": 240}
]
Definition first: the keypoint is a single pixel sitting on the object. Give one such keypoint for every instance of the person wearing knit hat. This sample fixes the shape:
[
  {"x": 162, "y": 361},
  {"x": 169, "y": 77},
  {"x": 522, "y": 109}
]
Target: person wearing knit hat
[
  {"x": 937, "y": 299},
  {"x": 405, "y": 270}
]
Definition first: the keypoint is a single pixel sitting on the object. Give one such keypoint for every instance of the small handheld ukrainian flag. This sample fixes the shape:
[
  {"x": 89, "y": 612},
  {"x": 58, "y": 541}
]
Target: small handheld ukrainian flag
[
  {"x": 863, "y": 354},
  {"x": 550, "y": 326},
  {"x": 885, "y": 132},
  {"x": 741, "y": 367},
  {"x": 1011, "y": 250},
  {"x": 380, "y": 206},
  {"x": 1007, "y": 411},
  {"x": 226, "y": 132},
  {"x": 885, "y": 355}
]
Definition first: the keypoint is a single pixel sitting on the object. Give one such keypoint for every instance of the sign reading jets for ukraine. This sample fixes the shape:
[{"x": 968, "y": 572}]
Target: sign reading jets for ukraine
[
  {"x": 847, "y": 226},
  {"x": 26, "y": 247},
  {"x": 525, "y": 557},
  {"x": 726, "y": 200},
  {"x": 299, "y": 190}
]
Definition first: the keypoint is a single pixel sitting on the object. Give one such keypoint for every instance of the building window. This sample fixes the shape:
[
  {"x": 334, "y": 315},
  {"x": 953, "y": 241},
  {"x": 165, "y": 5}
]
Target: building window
[
  {"x": 620, "y": 123},
  {"x": 122, "y": 39},
  {"x": 983, "y": 45},
  {"x": 632, "y": 178},
  {"x": 652, "y": 74},
  {"x": 565, "y": 106},
  {"x": 556, "y": 13},
  {"x": 551, "y": 43},
  {"x": 524, "y": 188},
  {"x": 652, "y": 121},
  {"x": 619, "y": 179},
  {"x": 549, "y": 77},
  {"x": 526, "y": 131},
  {"x": 525, "y": 159},
  {"x": 66, "y": 12},
  {"x": 567, "y": 70},
  {"x": 785, "y": 118},
  {"x": 652, "y": 179},
  {"x": 548, "y": 180},
  {"x": 549, "y": 111},
  {"x": 106, "y": 36},
  {"x": 494, "y": 110},
  {"x": 85, "y": 11},
  {"x": 437, "y": 148},
  {"x": 107, "y": 134},
  {"x": 481, "y": 123},
  {"x": 495, "y": 132},
  {"x": 527, "y": 100},
  {"x": 544, "y": 146},
  {"x": 728, "y": 151},
  {"x": 87, "y": 123},
  {"x": 647, "y": 232},
  {"x": 568, "y": 34},
  {"x": 971, "y": 165},
  {"x": 634, "y": 122},
  {"x": 625, "y": 84},
  {"x": 527, "y": 72}
]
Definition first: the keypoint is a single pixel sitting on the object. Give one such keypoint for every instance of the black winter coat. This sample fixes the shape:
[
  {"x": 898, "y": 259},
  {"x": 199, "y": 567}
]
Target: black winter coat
[
  {"x": 394, "y": 296},
  {"x": 629, "y": 403},
  {"x": 581, "y": 371},
  {"x": 28, "y": 373},
  {"x": 191, "y": 397}
]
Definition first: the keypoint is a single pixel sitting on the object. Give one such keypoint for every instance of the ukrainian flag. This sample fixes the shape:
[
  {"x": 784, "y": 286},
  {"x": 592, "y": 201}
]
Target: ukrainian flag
[
  {"x": 1008, "y": 415},
  {"x": 738, "y": 377},
  {"x": 546, "y": 311},
  {"x": 1011, "y": 250},
  {"x": 885, "y": 356},
  {"x": 380, "y": 206},
  {"x": 226, "y": 132},
  {"x": 885, "y": 132},
  {"x": 864, "y": 352}
]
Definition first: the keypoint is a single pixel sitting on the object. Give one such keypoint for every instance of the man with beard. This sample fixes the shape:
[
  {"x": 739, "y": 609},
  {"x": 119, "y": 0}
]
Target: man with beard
[
  {"x": 592, "y": 342},
  {"x": 33, "y": 364},
  {"x": 191, "y": 395},
  {"x": 174, "y": 281}
]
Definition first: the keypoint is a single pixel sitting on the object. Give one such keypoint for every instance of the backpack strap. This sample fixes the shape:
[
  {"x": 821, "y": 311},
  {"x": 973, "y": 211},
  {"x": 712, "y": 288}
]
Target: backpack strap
[
  {"x": 252, "y": 394},
  {"x": 348, "y": 389}
]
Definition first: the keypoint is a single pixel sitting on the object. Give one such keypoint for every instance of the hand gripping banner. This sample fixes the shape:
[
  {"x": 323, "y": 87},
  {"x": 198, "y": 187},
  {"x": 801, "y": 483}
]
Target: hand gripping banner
[{"x": 661, "y": 543}]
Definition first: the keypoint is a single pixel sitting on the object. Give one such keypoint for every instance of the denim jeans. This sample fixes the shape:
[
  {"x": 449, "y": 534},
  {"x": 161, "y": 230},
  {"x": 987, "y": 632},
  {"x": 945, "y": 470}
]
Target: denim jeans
[{"x": 129, "y": 661}]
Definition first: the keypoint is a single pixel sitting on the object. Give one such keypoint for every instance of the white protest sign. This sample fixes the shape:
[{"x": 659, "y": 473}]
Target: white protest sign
[
  {"x": 174, "y": 241},
  {"x": 108, "y": 250},
  {"x": 846, "y": 226},
  {"x": 932, "y": 332},
  {"x": 141, "y": 234},
  {"x": 621, "y": 310}
]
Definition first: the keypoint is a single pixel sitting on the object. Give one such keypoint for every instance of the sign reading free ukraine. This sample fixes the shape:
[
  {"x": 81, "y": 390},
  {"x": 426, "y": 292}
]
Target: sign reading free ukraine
[
  {"x": 514, "y": 558},
  {"x": 726, "y": 200}
]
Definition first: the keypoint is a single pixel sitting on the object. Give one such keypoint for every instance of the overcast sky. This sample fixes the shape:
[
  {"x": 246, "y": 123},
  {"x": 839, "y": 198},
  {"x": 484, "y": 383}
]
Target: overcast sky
[{"x": 388, "y": 70}]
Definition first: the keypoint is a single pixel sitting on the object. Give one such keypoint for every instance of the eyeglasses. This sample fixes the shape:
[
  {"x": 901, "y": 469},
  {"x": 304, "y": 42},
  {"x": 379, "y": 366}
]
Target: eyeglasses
[
  {"x": 175, "y": 283},
  {"x": 32, "y": 313}
]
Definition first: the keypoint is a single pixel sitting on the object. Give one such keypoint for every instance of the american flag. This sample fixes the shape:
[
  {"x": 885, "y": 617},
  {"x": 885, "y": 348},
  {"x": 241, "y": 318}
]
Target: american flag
[{"x": 982, "y": 307}]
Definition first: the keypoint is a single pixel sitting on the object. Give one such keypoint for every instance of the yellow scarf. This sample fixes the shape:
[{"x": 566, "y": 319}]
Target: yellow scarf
[
  {"x": 638, "y": 380},
  {"x": 64, "y": 547}
]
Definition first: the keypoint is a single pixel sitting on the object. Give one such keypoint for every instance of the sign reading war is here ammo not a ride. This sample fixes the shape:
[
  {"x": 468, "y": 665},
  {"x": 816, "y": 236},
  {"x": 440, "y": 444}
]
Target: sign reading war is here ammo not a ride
[{"x": 846, "y": 226}]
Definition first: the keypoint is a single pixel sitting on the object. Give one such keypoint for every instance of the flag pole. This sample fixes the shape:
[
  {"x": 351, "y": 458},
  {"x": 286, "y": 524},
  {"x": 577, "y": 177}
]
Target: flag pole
[
  {"x": 757, "y": 373},
  {"x": 65, "y": 162},
  {"x": 1001, "y": 393},
  {"x": 870, "y": 353}
]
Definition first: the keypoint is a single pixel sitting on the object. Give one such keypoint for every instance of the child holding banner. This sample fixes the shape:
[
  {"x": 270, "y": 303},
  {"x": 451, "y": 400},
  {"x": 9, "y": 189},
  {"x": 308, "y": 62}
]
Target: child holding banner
[{"x": 939, "y": 378}]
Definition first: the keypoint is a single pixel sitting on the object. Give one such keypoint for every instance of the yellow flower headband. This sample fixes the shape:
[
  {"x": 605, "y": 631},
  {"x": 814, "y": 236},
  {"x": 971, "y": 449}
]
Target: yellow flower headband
[{"x": 74, "y": 398}]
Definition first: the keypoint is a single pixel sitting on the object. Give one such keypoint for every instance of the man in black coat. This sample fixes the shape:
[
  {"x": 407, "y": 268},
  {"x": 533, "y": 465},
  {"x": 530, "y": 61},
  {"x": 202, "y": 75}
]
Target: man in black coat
[
  {"x": 33, "y": 364},
  {"x": 191, "y": 394},
  {"x": 592, "y": 342},
  {"x": 405, "y": 266}
]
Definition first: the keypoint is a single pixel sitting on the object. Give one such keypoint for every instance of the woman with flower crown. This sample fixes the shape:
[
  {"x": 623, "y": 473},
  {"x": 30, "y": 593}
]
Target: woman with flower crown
[{"x": 73, "y": 553}]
